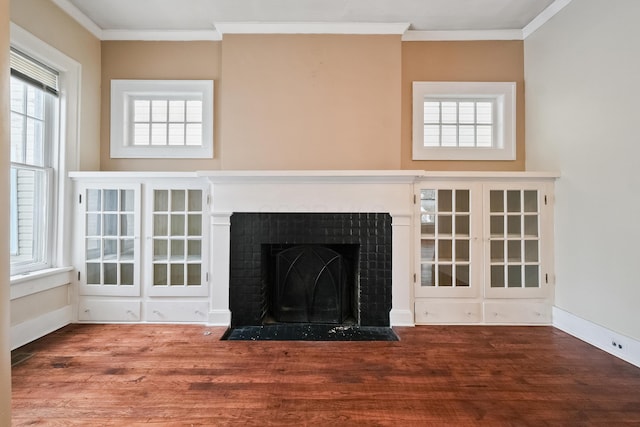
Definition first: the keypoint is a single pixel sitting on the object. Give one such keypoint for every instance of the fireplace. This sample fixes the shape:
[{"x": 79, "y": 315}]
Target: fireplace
[{"x": 330, "y": 268}]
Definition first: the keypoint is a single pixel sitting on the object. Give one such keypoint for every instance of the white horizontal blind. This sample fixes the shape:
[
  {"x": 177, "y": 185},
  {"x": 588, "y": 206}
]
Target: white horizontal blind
[
  {"x": 464, "y": 123},
  {"x": 167, "y": 122},
  {"x": 33, "y": 71}
]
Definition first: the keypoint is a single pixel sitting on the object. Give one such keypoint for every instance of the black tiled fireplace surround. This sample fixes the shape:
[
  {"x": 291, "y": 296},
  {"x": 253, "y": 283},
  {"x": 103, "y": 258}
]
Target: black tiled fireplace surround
[{"x": 249, "y": 231}]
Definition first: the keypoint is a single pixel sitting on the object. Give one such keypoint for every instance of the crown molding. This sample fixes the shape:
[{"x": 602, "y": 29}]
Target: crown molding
[
  {"x": 413, "y": 36},
  {"x": 75, "y": 13},
  {"x": 369, "y": 28},
  {"x": 543, "y": 17},
  {"x": 162, "y": 35}
]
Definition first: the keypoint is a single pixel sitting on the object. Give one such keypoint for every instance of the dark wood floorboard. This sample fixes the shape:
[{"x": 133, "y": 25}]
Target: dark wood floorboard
[{"x": 183, "y": 375}]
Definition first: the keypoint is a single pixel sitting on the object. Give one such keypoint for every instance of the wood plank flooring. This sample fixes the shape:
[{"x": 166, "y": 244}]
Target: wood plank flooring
[{"x": 129, "y": 375}]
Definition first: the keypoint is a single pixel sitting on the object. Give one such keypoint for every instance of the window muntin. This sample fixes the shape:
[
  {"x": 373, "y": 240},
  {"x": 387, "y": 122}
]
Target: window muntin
[
  {"x": 464, "y": 121},
  {"x": 34, "y": 112}
]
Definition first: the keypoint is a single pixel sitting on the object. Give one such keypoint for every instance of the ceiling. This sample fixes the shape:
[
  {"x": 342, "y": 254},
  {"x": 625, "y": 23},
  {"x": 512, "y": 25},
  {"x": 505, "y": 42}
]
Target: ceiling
[{"x": 201, "y": 15}]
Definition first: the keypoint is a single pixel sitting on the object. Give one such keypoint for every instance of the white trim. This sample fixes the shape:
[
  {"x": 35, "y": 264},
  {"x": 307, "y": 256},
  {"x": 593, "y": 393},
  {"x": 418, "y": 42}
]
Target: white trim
[
  {"x": 219, "y": 318},
  {"x": 79, "y": 16},
  {"x": 23, "y": 285},
  {"x": 162, "y": 35},
  {"x": 543, "y": 17},
  {"x": 461, "y": 35},
  {"x": 401, "y": 318},
  {"x": 381, "y": 28},
  {"x": 25, "y": 332},
  {"x": 598, "y": 336}
]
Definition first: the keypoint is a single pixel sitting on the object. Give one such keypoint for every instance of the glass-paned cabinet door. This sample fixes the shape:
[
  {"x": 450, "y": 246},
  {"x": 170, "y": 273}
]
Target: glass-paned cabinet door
[
  {"x": 177, "y": 240},
  {"x": 449, "y": 223},
  {"x": 110, "y": 218},
  {"x": 515, "y": 221}
]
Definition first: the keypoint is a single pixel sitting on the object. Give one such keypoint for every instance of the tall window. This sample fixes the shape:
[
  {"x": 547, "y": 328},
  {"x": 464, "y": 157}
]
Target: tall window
[{"x": 34, "y": 116}]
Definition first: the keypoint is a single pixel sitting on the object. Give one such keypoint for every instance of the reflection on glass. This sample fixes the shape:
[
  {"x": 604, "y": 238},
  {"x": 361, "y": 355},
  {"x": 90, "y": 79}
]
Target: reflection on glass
[
  {"x": 160, "y": 249},
  {"x": 126, "y": 249},
  {"x": 194, "y": 225},
  {"x": 177, "y": 275},
  {"x": 445, "y": 274},
  {"x": 531, "y": 201},
  {"x": 496, "y": 201},
  {"x": 193, "y": 275},
  {"x": 514, "y": 276},
  {"x": 110, "y": 249},
  {"x": 514, "y": 251},
  {"x": 513, "y": 201},
  {"x": 444, "y": 250},
  {"x": 110, "y": 273},
  {"x": 159, "y": 275},
  {"x": 177, "y": 250},
  {"x": 445, "y": 224},
  {"x": 426, "y": 274},
  {"x": 110, "y": 225},
  {"x": 94, "y": 200},
  {"x": 126, "y": 225},
  {"x": 93, "y": 274},
  {"x": 462, "y": 250},
  {"x": 497, "y": 251},
  {"x": 126, "y": 200},
  {"x": 531, "y": 276},
  {"x": 94, "y": 224},
  {"x": 160, "y": 200},
  {"x": 531, "y": 251},
  {"x": 195, "y": 200},
  {"x": 462, "y": 200},
  {"x": 194, "y": 250},
  {"x": 110, "y": 200},
  {"x": 531, "y": 225},
  {"x": 126, "y": 274},
  {"x": 513, "y": 226},
  {"x": 497, "y": 276},
  {"x": 177, "y": 225},
  {"x": 497, "y": 226},
  {"x": 462, "y": 225},
  {"x": 445, "y": 201},
  {"x": 462, "y": 275},
  {"x": 427, "y": 250},
  {"x": 177, "y": 200},
  {"x": 93, "y": 248},
  {"x": 160, "y": 227}
]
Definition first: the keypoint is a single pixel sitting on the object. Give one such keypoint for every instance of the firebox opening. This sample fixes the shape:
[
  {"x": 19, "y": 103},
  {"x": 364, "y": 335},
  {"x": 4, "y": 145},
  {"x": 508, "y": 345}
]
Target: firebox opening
[{"x": 311, "y": 283}]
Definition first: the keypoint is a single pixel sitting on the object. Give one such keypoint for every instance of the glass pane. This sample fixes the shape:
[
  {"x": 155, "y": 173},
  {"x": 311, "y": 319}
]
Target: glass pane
[
  {"x": 445, "y": 201},
  {"x": 497, "y": 276},
  {"x": 160, "y": 200},
  {"x": 449, "y": 135},
  {"x": 484, "y": 136},
  {"x": 195, "y": 225},
  {"x": 160, "y": 250},
  {"x": 515, "y": 276},
  {"x": 444, "y": 225},
  {"x": 531, "y": 201},
  {"x": 159, "y": 134},
  {"x": 531, "y": 225},
  {"x": 467, "y": 136},
  {"x": 159, "y": 110},
  {"x": 126, "y": 274},
  {"x": 141, "y": 109},
  {"x": 513, "y": 201},
  {"x": 159, "y": 275},
  {"x": 93, "y": 274},
  {"x": 110, "y": 249},
  {"x": 462, "y": 250},
  {"x": 484, "y": 112},
  {"x": 194, "y": 250},
  {"x": 18, "y": 129},
  {"x": 177, "y": 250},
  {"x": 110, "y": 273},
  {"x": 428, "y": 250},
  {"x": 462, "y": 275},
  {"x": 194, "y": 111},
  {"x": 110, "y": 225},
  {"x": 111, "y": 200},
  {"x": 432, "y": 135},
  {"x": 426, "y": 275},
  {"x": 496, "y": 201},
  {"x": 193, "y": 275},
  {"x": 514, "y": 251},
  {"x": 176, "y": 134},
  {"x": 467, "y": 112},
  {"x": 195, "y": 200},
  {"x": 177, "y": 200},
  {"x": 513, "y": 226},
  {"x": 160, "y": 225},
  {"x": 497, "y": 251},
  {"x": 462, "y": 225},
  {"x": 176, "y": 111},
  {"x": 445, "y": 274},
  {"x": 531, "y": 251},
  {"x": 427, "y": 211},
  {"x": 141, "y": 134},
  {"x": 94, "y": 247},
  {"x": 193, "y": 134},
  {"x": 177, "y": 275},
  {"x": 462, "y": 201},
  {"x": 444, "y": 250},
  {"x": 126, "y": 225},
  {"x": 431, "y": 112},
  {"x": 94, "y": 225},
  {"x": 126, "y": 201},
  {"x": 126, "y": 249},
  {"x": 94, "y": 200},
  {"x": 497, "y": 226},
  {"x": 177, "y": 225},
  {"x": 449, "y": 112},
  {"x": 531, "y": 276}
]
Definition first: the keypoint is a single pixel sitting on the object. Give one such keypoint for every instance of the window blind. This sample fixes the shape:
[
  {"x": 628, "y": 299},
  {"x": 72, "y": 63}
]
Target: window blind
[{"x": 34, "y": 72}]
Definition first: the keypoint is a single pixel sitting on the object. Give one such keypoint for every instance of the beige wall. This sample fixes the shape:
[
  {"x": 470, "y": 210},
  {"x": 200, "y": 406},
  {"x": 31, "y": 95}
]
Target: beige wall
[
  {"x": 47, "y": 22},
  {"x": 491, "y": 61},
  {"x": 158, "y": 60},
  {"x": 310, "y": 102},
  {"x": 582, "y": 71},
  {"x": 5, "y": 369}
]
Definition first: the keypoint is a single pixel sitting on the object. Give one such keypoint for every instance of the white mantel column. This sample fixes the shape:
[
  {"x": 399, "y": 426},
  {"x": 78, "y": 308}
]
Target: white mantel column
[
  {"x": 401, "y": 264},
  {"x": 219, "y": 313}
]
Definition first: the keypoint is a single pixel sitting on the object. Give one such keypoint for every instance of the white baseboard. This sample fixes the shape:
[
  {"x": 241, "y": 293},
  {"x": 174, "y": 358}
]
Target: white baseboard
[
  {"x": 401, "y": 318},
  {"x": 25, "y": 332},
  {"x": 625, "y": 348},
  {"x": 219, "y": 318}
]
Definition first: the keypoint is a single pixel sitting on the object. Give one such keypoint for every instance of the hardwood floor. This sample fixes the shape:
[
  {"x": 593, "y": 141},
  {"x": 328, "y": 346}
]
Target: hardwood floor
[{"x": 127, "y": 375}]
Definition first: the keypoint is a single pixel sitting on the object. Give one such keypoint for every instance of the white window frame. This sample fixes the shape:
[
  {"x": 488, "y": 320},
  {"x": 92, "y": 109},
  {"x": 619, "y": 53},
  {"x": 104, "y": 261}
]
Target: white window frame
[
  {"x": 502, "y": 94},
  {"x": 124, "y": 92}
]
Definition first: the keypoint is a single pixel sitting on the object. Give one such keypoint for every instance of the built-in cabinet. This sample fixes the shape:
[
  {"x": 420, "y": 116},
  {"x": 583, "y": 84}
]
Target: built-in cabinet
[
  {"x": 484, "y": 251},
  {"x": 141, "y": 250}
]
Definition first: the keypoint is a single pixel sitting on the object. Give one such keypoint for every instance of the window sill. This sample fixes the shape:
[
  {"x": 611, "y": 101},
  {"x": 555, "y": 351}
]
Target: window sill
[{"x": 23, "y": 285}]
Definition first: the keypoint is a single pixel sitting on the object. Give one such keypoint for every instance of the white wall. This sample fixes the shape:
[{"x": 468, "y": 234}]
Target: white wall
[{"x": 582, "y": 77}]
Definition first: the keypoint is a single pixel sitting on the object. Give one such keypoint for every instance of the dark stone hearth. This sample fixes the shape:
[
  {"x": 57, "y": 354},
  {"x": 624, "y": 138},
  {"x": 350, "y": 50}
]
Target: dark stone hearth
[{"x": 249, "y": 296}]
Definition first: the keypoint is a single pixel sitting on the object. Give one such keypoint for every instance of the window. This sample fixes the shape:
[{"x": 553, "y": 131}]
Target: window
[
  {"x": 161, "y": 118},
  {"x": 34, "y": 115},
  {"x": 463, "y": 121}
]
